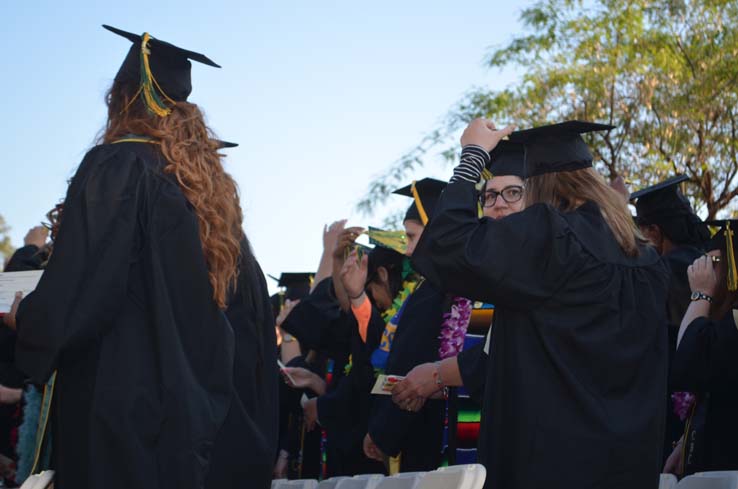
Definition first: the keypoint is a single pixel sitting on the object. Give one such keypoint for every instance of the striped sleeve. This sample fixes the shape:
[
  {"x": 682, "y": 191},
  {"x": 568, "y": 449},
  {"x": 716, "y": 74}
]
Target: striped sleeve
[{"x": 473, "y": 160}]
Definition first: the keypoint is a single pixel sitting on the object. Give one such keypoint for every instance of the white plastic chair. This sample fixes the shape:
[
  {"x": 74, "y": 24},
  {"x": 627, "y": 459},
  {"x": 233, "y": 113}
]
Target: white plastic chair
[
  {"x": 363, "y": 481},
  {"x": 667, "y": 481},
  {"x": 276, "y": 482},
  {"x": 470, "y": 476},
  {"x": 296, "y": 484},
  {"x": 332, "y": 482},
  {"x": 729, "y": 474},
  {"x": 706, "y": 482},
  {"x": 39, "y": 481},
  {"x": 403, "y": 480}
]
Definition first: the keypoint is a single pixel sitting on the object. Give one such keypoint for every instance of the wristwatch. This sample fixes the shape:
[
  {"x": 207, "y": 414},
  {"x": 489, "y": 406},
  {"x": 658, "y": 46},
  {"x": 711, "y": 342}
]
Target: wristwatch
[{"x": 698, "y": 296}]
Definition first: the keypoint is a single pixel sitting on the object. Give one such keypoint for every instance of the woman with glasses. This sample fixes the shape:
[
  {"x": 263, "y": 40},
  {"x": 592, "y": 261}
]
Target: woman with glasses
[
  {"x": 502, "y": 196},
  {"x": 577, "y": 365}
]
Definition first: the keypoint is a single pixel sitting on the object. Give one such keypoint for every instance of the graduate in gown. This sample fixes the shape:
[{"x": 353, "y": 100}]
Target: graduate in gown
[
  {"x": 503, "y": 195},
  {"x": 705, "y": 360},
  {"x": 243, "y": 453},
  {"x": 345, "y": 410},
  {"x": 130, "y": 310},
  {"x": 576, "y": 374},
  {"x": 416, "y": 437},
  {"x": 667, "y": 220}
]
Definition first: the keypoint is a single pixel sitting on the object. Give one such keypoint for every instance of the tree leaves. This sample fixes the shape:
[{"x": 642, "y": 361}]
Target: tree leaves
[{"x": 663, "y": 72}]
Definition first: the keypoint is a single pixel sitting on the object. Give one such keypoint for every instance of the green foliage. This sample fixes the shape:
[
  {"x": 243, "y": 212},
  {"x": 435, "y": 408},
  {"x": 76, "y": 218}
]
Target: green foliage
[
  {"x": 663, "y": 72},
  {"x": 6, "y": 249}
]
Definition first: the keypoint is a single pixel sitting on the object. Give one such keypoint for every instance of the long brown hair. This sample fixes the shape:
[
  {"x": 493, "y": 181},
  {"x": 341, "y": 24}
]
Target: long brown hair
[
  {"x": 192, "y": 157},
  {"x": 567, "y": 190}
]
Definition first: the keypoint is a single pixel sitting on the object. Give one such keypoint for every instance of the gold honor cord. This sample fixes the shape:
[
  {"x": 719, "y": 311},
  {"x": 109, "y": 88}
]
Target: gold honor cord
[
  {"x": 135, "y": 140},
  {"x": 732, "y": 273},
  {"x": 43, "y": 420},
  {"x": 419, "y": 204}
]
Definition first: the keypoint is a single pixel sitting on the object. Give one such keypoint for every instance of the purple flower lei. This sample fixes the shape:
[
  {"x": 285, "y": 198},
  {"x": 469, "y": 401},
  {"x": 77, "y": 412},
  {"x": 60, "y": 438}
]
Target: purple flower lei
[
  {"x": 453, "y": 330},
  {"x": 682, "y": 403}
]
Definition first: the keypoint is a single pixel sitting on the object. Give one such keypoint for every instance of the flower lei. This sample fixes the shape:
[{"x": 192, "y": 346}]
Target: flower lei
[
  {"x": 683, "y": 402},
  {"x": 453, "y": 329}
]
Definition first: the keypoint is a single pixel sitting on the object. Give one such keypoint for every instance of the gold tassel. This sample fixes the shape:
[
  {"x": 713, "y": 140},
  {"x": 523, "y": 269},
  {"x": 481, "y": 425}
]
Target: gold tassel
[
  {"x": 732, "y": 273},
  {"x": 394, "y": 464},
  {"x": 149, "y": 84},
  {"x": 419, "y": 204}
]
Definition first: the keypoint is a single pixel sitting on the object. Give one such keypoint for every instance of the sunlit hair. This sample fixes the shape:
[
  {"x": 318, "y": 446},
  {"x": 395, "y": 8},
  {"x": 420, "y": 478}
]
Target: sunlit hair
[
  {"x": 192, "y": 158},
  {"x": 567, "y": 190}
]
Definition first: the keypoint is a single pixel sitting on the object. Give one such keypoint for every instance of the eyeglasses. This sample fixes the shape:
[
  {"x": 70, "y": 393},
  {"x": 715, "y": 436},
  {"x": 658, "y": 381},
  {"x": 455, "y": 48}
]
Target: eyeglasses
[{"x": 510, "y": 194}]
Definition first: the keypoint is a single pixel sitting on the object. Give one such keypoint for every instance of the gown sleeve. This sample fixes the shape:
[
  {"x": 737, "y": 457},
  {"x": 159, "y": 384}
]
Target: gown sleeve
[
  {"x": 86, "y": 276},
  {"x": 473, "y": 369},
  {"x": 705, "y": 358},
  {"x": 517, "y": 261}
]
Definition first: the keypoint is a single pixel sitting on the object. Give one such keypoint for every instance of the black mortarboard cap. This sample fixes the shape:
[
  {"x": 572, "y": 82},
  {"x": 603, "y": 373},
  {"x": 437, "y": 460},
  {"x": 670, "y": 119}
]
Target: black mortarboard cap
[
  {"x": 718, "y": 240},
  {"x": 507, "y": 158},
  {"x": 665, "y": 205},
  {"x": 723, "y": 240},
  {"x": 428, "y": 191},
  {"x": 225, "y": 144},
  {"x": 665, "y": 199},
  {"x": 557, "y": 147},
  {"x": 297, "y": 285},
  {"x": 170, "y": 65}
]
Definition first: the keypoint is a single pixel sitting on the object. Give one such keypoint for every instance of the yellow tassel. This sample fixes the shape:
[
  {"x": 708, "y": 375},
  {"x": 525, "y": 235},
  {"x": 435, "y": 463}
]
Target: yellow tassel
[
  {"x": 732, "y": 273},
  {"x": 486, "y": 174},
  {"x": 149, "y": 85},
  {"x": 394, "y": 464},
  {"x": 419, "y": 204}
]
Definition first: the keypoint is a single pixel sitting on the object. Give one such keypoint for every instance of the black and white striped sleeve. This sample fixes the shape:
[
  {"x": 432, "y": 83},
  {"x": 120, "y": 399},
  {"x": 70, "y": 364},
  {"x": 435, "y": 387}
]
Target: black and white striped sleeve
[{"x": 473, "y": 160}]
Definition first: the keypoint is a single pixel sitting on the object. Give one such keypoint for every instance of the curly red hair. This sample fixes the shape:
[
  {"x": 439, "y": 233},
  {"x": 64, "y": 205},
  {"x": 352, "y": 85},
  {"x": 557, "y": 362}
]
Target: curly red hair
[{"x": 188, "y": 146}]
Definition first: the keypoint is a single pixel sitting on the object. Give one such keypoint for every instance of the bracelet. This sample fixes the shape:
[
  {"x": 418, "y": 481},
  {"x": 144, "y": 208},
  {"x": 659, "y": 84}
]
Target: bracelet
[
  {"x": 437, "y": 375},
  {"x": 358, "y": 296}
]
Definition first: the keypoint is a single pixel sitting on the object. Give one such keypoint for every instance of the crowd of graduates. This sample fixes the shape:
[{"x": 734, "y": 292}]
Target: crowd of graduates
[{"x": 587, "y": 347}]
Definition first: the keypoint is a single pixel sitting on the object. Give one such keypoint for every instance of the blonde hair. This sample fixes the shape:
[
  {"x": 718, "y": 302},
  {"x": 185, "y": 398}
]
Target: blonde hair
[
  {"x": 567, "y": 190},
  {"x": 192, "y": 157}
]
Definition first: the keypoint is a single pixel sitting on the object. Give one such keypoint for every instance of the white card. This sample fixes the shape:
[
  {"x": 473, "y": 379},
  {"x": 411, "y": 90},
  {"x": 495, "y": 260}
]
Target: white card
[
  {"x": 12, "y": 282},
  {"x": 385, "y": 383}
]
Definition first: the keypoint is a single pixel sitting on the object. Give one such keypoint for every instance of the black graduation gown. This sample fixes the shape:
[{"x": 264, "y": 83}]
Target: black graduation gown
[
  {"x": 344, "y": 411},
  {"x": 28, "y": 257},
  {"x": 705, "y": 363},
  {"x": 678, "y": 299},
  {"x": 319, "y": 324},
  {"x": 124, "y": 312},
  {"x": 473, "y": 369},
  {"x": 418, "y": 436},
  {"x": 576, "y": 376},
  {"x": 244, "y": 450}
]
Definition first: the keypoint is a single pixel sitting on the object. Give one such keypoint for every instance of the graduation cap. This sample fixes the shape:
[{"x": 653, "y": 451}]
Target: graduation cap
[
  {"x": 225, "y": 144},
  {"x": 723, "y": 240},
  {"x": 425, "y": 192},
  {"x": 507, "y": 158},
  {"x": 557, "y": 147},
  {"x": 664, "y": 204},
  {"x": 394, "y": 240},
  {"x": 296, "y": 285},
  {"x": 663, "y": 199},
  {"x": 162, "y": 70}
]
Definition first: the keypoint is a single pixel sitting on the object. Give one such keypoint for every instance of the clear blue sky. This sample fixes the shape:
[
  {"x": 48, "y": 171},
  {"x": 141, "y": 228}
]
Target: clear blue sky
[{"x": 321, "y": 95}]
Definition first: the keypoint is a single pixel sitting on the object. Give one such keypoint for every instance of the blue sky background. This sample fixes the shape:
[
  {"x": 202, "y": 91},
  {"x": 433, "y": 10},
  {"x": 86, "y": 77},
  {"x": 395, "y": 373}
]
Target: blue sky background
[{"x": 321, "y": 96}]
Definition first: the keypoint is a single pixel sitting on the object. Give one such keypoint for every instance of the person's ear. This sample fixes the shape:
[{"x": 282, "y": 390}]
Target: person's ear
[{"x": 383, "y": 275}]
